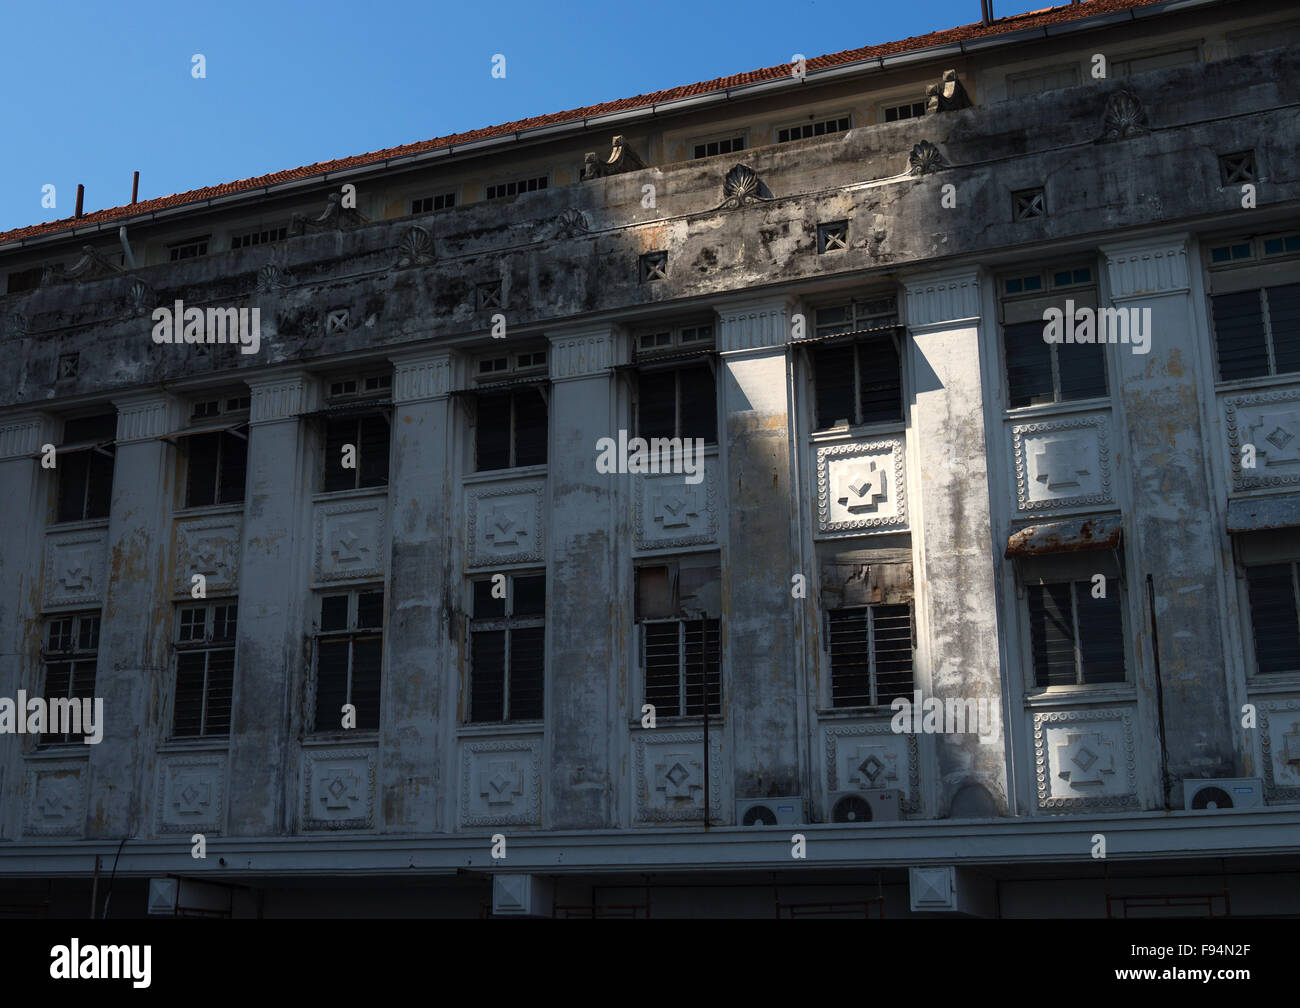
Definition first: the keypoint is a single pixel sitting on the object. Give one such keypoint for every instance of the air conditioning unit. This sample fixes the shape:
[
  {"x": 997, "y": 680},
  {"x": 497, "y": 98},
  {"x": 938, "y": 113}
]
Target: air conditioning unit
[
  {"x": 1210, "y": 795},
  {"x": 770, "y": 812},
  {"x": 866, "y": 806}
]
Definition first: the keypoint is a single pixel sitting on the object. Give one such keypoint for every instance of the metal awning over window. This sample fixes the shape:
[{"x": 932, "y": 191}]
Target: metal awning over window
[
  {"x": 354, "y": 407},
  {"x": 1066, "y": 537},
  {"x": 505, "y": 385},
  {"x": 102, "y": 447},
  {"x": 237, "y": 427},
  {"x": 652, "y": 359},
  {"x": 894, "y": 330},
  {"x": 1262, "y": 514}
]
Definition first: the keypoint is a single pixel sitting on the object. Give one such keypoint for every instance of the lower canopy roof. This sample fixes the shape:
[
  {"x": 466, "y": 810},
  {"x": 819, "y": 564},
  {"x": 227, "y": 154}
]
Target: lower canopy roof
[
  {"x": 1066, "y": 537},
  {"x": 1263, "y": 513}
]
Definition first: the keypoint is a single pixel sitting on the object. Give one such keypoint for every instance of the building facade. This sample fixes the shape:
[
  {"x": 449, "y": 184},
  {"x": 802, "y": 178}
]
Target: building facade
[{"x": 969, "y": 586}]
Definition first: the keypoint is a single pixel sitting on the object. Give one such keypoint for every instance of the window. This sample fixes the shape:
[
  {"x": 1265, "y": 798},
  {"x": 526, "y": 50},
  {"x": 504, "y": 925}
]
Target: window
[
  {"x": 251, "y": 238},
  {"x": 349, "y": 656},
  {"x": 857, "y": 380},
  {"x": 217, "y": 463},
  {"x": 1035, "y": 82},
  {"x": 677, "y": 607},
  {"x": 507, "y": 649},
  {"x": 836, "y": 124},
  {"x": 188, "y": 249},
  {"x": 833, "y": 237},
  {"x": 1076, "y": 639},
  {"x": 1256, "y": 311},
  {"x": 510, "y": 428},
  {"x": 366, "y": 464},
  {"x": 725, "y": 145},
  {"x": 908, "y": 110},
  {"x": 205, "y": 669},
  {"x": 871, "y": 655},
  {"x": 501, "y": 190},
  {"x": 441, "y": 201},
  {"x": 1038, "y": 371},
  {"x": 25, "y": 280},
  {"x": 1274, "y": 617},
  {"x": 680, "y": 401},
  {"x": 69, "y": 657},
  {"x": 85, "y": 468}
]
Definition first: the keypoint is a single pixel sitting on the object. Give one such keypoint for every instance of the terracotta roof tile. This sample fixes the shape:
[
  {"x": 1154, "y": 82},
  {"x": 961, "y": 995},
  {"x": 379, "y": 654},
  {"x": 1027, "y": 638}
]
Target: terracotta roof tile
[{"x": 1034, "y": 19}]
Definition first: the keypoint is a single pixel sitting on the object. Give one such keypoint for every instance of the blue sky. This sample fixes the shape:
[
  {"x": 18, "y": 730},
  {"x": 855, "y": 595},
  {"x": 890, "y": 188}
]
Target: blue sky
[{"x": 95, "y": 91}]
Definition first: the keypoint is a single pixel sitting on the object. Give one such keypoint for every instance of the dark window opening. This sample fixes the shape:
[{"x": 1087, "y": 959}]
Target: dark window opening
[
  {"x": 510, "y": 429},
  {"x": 508, "y": 649},
  {"x": 1076, "y": 639},
  {"x": 349, "y": 658},
  {"x": 368, "y": 434}
]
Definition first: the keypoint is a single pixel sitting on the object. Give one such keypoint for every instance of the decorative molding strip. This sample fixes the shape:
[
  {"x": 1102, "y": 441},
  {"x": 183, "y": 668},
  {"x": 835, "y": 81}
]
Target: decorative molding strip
[
  {"x": 1141, "y": 271},
  {"x": 581, "y": 355},
  {"x": 22, "y": 436},
  {"x": 420, "y": 379},
  {"x": 954, "y": 297}
]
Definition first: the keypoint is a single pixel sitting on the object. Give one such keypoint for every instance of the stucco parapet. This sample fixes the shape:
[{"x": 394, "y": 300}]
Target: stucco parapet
[{"x": 1150, "y": 267}]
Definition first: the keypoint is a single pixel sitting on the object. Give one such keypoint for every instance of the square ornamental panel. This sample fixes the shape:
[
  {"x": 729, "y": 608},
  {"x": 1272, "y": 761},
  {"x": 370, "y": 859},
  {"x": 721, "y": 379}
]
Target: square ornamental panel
[
  {"x": 1085, "y": 759},
  {"x": 1063, "y": 463},
  {"x": 670, "y": 776},
  {"x": 1264, "y": 439},
  {"x": 870, "y": 756},
  {"x": 209, "y": 547},
  {"x": 55, "y": 799},
  {"x": 860, "y": 487},
  {"x": 351, "y": 541},
  {"x": 505, "y": 524},
  {"x": 74, "y": 568},
  {"x": 671, "y": 512},
  {"x": 191, "y": 792},
  {"x": 500, "y": 782},
  {"x": 1279, "y": 733},
  {"x": 338, "y": 789}
]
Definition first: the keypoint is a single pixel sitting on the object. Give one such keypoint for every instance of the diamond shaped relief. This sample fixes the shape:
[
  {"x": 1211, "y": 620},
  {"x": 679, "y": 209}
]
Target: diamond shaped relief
[
  {"x": 193, "y": 794},
  {"x": 679, "y": 776},
  {"x": 350, "y": 541},
  {"x": 867, "y": 765},
  {"x": 1083, "y": 757},
  {"x": 500, "y": 782},
  {"x": 1273, "y": 433},
  {"x": 339, "y": 790}
]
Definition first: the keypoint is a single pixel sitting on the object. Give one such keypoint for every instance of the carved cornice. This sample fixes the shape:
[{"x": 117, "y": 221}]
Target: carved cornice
[
  {"x": 945, "y": 299},
  {"x": 282, "y": 397},
  {"x": 20, "y": 436},
  {"x": 421, "y": 379},
  {"x": 146, "y": 417},
  {"x": 1147, "y": 269},
  {"x": 581, "y": 354},
  {"x": 753, "y": 325}
]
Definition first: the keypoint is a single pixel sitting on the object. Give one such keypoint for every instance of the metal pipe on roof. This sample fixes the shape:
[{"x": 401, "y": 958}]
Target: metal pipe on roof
[
  {"x": 135, "y": 188},
  {"x": 126, "y": 245},
  {"x": 81, "y": 192}
]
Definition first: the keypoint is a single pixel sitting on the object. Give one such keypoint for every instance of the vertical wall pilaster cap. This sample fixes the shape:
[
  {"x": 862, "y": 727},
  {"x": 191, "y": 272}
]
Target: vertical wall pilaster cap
[
  {"x": 1147, "y": 268},
  {"x": 582, "y": 351},
  {"x": 22, "y": 434},
  {"x": 754, "y": 323},
  {"x": 943, "y": 299},
  {"x": 281, "y": 395},
  {"x": 421, "y": 376},
  {"x": 147, "y": 416}
]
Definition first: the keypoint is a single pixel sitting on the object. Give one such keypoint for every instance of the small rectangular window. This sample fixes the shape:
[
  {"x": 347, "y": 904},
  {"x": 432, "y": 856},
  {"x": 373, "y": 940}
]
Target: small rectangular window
[
  {"x": 821, "y": 127},
  {"x": 502, "y": 190},
  {"x": 349, "y": 658},
  {"x": 1076, "y": 638},
  {"x": 188, "y": 249},
  {"x": 205, "y": 669},
  {"x": 85, "y": 473},
  {"x": 69, "y": 658},
  {"x": 428, "y": 204},
  {"x": 1036, "y": 82},
  {"x": 510, "y": 429},
  {"x": 907, "y": 110},
  {"x": 1274, "y": 617},
  {"x": 725, "y": 145},
  {"x": 871, "y": 654},
  {"x": 25, "y": 280},
  {"x": 249, "y": 239},
  {"x": 507, "y": 649},
  {"x": 833, "y": 237}
]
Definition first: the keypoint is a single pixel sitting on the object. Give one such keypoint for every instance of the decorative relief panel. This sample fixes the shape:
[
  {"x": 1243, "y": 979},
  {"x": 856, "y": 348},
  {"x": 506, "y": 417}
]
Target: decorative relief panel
[
  {"x": 670, "y": 512},
  {"x": 505, "y": 524},
  {"x": 1084, "y": 759},
  {"x": 55, "y": 799},
  {"x": 1270, "y": 421},
  {"x": 338, "y": 789},
  {"x": 75, "y": 568},
  {"x": 860, "y": 487},
  {"x": 1062, "y": 463},
  {"x": 500, "y": 782},
  {"x": 1279, "y": 730},
  {"x": 209, "y": 547},
  {"x": 191, "y": 793},
  {"x": 350, "y": 541},
  {"x": 864, "y": 756},
  {"x": 670, "y": 776}
]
